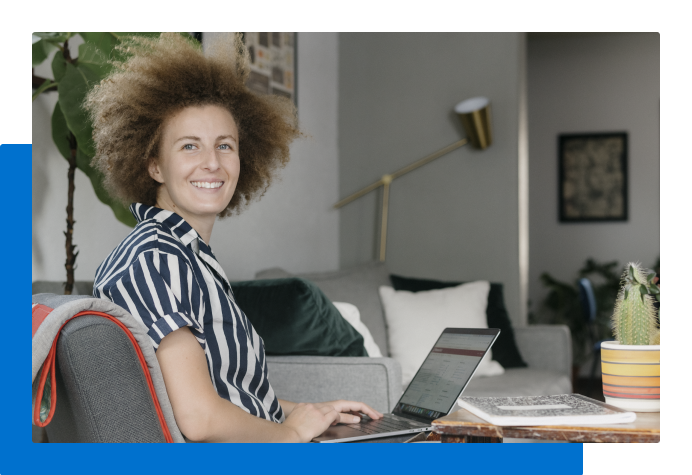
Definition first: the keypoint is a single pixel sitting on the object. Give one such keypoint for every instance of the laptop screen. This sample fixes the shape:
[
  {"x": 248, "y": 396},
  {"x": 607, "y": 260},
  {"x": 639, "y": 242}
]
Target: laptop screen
[{"x": 446, "y": 371}]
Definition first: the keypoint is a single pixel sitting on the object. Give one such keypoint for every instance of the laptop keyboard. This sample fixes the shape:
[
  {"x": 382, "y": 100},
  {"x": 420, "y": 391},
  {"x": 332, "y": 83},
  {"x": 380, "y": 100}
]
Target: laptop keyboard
[{"x": 387, "y": 424}]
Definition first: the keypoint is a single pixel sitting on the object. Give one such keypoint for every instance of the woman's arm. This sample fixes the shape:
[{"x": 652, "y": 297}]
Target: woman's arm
[{"x": 203, "y": 416}]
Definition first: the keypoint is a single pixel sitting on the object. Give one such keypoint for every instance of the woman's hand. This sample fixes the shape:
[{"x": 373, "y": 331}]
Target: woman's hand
[
  {"x": 310, "y": 420},
  {"x": 349, "y": 411}
]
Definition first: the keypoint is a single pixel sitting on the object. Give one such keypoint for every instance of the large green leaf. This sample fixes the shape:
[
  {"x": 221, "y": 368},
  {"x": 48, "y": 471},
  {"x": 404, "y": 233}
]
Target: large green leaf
[
  {"x": 105, "y": 43},
  {"x": 60, "y": 132},
  {"x": 91, "y": 66},
  {"x": 58, "y": 66},
  {"x": 40, "y": 51},
  {"x": 72, "y": 90},
  {"x": 122, "y": 213},
  {"x": 91, "y": 58}
]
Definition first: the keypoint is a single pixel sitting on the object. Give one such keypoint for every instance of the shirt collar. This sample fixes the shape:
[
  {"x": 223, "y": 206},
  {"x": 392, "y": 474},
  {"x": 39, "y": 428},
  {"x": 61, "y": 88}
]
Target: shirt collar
[
  {"x": 182, "y": 230},
  {"x": 178, "y": 226}
]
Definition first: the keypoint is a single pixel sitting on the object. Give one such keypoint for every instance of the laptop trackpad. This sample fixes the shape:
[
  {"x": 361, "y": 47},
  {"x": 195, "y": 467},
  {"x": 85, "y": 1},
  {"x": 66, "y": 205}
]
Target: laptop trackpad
[{"x": 339, "y": 432}]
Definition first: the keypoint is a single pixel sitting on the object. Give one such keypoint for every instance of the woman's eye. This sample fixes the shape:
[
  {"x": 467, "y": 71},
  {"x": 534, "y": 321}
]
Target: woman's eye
[
  {"x": 188, "y": 146},
  {"x": 225, "y": 146}
]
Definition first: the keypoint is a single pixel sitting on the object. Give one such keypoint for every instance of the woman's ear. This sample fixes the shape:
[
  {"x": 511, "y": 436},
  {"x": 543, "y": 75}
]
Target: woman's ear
[{"x": 155, "y": 171}]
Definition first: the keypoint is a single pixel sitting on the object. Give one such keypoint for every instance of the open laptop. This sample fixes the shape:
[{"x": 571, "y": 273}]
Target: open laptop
[{"x": 433, "y": 391}]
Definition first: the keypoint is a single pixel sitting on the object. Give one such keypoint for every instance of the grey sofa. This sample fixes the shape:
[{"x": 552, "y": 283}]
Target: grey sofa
[{"x": 546, "y": 349}]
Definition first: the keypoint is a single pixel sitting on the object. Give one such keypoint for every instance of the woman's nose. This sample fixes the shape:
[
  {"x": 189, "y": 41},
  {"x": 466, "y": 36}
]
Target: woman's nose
[{"x": 211, "y": 161}]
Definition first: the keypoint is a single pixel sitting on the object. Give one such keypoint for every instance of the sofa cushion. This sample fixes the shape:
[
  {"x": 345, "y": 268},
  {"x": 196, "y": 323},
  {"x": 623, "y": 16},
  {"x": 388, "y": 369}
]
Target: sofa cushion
[
  {"x": 358, "y": 286},
  {"x": 505, "y": 349},
  {"x": 374, "y": 381},
  {"x": 416, "y": 320},
  {"x": 294, "y": 317},
  {"x": 352, "y": 315}
]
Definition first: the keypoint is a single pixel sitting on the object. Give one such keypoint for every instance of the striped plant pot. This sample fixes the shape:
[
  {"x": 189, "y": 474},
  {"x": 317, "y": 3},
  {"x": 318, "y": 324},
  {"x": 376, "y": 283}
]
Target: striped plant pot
[{"x": 632, "y": 376}]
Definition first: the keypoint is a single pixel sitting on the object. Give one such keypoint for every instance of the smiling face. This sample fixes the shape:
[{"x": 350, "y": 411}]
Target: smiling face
[{"x": 198, "y": 165}]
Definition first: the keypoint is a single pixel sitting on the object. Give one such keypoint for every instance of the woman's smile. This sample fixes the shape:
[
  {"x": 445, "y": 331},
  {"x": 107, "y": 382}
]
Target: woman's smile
[{"x": 207, "y": 185}]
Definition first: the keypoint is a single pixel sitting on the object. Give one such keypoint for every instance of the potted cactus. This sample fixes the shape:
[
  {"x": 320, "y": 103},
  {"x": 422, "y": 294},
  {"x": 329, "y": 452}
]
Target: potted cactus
[{"x": 631, "y": 364}]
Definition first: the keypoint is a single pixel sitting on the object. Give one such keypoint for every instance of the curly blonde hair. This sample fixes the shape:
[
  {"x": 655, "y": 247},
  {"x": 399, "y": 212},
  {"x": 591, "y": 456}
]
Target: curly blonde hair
[{"x": 164, "y": 75}]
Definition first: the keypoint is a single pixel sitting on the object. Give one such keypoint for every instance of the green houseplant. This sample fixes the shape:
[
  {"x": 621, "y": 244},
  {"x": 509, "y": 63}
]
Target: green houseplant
[
  {"x": 71, "y": 127},
  {"x": 562, "y": 306},
  {"x": 631, "y": 363}
]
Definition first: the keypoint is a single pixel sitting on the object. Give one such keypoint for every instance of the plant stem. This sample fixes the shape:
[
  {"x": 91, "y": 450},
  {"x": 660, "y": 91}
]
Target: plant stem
[
  {"x": 66, "y": 53},
  {"x": 71, "y": 256},
  {"x": 38, "y": 81}
]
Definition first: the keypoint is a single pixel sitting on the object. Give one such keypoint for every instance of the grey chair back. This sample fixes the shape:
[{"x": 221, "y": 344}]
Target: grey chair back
[{"x": 102, "y": 393}]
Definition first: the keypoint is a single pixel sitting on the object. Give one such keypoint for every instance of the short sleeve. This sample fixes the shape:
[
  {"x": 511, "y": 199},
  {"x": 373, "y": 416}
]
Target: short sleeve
[{"x": 160, "y": 290}]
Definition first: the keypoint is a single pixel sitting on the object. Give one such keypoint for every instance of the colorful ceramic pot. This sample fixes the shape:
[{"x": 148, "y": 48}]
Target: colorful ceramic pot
[{"x": 632, "y": 376}]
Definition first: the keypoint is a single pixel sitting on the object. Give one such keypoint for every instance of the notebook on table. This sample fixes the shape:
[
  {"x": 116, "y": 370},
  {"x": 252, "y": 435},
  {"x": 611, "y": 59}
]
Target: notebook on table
[
  {"x": 559, "y": 409},
  {"x": 433, "y": 391}
]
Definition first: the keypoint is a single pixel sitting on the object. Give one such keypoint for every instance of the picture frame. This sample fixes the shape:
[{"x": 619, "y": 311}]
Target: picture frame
[
  {"x": 273, "y": 63},
  {"x": 593, "y": 185}
]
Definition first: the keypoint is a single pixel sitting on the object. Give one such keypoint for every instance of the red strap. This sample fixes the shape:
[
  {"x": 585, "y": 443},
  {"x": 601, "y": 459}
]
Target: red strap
[{"x": 49, "y": 364}]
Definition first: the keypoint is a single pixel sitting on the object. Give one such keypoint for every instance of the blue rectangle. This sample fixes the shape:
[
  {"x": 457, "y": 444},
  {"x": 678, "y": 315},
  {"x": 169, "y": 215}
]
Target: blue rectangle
[{"x": 332, "y": 459}]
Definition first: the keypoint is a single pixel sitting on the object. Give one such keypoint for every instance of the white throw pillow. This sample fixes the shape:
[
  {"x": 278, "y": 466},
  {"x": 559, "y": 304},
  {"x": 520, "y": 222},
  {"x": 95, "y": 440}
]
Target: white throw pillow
[
  {"x": 352, "y": 315},
  {"x": 416, "y": 319}
]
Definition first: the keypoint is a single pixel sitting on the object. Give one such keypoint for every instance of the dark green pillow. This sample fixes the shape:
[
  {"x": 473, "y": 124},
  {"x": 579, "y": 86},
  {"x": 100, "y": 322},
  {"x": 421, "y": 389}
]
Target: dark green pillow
[
  {"x": 294, "y": 317},
  {"x": 505, "y": 349}
]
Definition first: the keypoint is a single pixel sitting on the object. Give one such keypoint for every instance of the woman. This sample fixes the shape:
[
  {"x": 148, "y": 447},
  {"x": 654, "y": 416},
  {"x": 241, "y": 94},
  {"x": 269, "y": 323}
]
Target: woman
[{"x": 180, "y": 135}]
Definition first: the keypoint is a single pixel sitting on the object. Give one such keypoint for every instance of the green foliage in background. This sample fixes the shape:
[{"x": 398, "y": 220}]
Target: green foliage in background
[
  {"x": 563, "y": 305},
  {"x": 73, "y": 77}
]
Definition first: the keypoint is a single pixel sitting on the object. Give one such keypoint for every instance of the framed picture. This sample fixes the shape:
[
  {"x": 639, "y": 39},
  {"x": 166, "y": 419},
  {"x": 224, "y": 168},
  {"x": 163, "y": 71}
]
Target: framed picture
[
  {"x": 593, "y": 177},
  {"x": 273, "y": 63}
]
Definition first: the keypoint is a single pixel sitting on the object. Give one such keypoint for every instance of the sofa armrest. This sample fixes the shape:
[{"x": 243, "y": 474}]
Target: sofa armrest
[
  {"x": 546, "y": 347},
  {"x": 374, "y": 381}
]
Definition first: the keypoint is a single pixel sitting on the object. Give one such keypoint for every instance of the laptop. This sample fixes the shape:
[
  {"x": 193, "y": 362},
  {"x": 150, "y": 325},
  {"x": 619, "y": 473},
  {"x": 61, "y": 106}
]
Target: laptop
[{"x": 433, "y": 391}]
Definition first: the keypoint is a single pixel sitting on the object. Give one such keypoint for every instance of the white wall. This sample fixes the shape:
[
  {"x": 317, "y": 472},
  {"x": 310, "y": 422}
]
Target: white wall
[
  {"x": 592, "y": 83},
  {"x": 292, "y": 226},
  {"x": 455, "y": 218}
]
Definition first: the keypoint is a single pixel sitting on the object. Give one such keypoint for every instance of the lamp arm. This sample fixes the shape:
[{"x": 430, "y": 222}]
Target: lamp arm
[
  {"x": 401, "y": 172},
  {"x": 429, "y": 158},
  {"x": 358, "y": 194}
]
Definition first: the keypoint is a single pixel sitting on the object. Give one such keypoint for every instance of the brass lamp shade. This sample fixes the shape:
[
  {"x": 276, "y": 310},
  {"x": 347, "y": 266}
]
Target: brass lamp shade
[{"x": 475, "y": 116}]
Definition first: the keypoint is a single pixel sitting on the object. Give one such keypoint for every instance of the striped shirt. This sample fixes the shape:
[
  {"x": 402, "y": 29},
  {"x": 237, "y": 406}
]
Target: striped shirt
[{"x": 167, "y": 277}]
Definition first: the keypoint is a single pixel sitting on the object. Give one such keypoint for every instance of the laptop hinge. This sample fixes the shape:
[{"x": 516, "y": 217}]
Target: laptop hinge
[{"x": 424, "y": 420}]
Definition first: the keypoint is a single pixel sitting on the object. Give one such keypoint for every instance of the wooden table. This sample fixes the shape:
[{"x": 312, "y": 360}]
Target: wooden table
[{"x": 464, "y": 427}]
